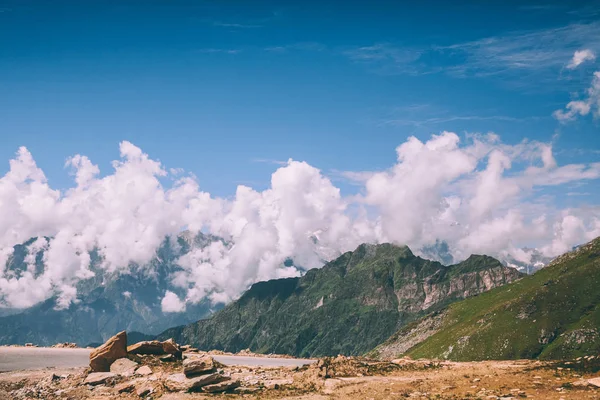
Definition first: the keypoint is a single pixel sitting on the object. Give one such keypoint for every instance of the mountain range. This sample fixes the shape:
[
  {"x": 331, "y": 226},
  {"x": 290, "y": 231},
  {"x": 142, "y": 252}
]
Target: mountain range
[
  {"x": 108, "y": 302},
  {"x": 349, "y": 306}
]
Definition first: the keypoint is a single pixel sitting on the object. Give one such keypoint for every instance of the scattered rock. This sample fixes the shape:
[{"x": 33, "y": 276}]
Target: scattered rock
[
  {"x": 594, "y": 381},
  {"x": 156, "y": 348},
  {"x": 170, "y": 347},
  {"x": 123, "y": 366},
  {"x": 168, "y": 358},
  {"x": 221, "y": 386},
  {"x": 65, "y": 345},
  {"x": 113, "y": 349},
  {"x": 245, "y": 390},
  {"x": 198, "y": 366},
  {"x": 143, "y": 371},
  {"x": 277, "y": 383},
  {"x": 125, "y": 387},
  {"x": 144, "y": 390},
  {"x": 179, "y": 382},
  {"x": 331, "y": 385},
  {"x": 146, "y": 347},
  {"x": 581, "y": 383},
  {"x": 97, "y": 378}
]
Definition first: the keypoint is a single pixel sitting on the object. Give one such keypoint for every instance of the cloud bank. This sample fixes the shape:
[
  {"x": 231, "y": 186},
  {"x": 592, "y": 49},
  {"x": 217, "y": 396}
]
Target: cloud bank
[{"x": 479, "y": 195}]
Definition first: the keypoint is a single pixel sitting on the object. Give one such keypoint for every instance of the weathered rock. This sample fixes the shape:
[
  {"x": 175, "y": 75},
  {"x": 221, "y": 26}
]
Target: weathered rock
[
  {"x": 580, "y": 383},
  {"x": 278, "y": 383},
  {"x": 245, "y": 390},
  {"x": 123, "y": 366},
  {"x": 198, "y": 366},
  {"x": 170, "y": 347},
  {"x": 221, "y": 386},
  {"x": 97, "y": 378},
  {"x": 146, "y": 347},
  {"x": 144, "y": 390},
  {"x": 125, "y": 387},
  {"x": 143, "y": 371},
  {"x": 179, "y": 382},
  {"x": 167, "y": 358},
  {"x": 156, "y": 348},
  {"x": 113, "y": 349},
  {"x": 594, "y": 381}
]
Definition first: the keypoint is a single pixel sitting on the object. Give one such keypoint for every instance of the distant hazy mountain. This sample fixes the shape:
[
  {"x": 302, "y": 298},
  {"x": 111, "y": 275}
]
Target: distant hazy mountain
[
  {"x": 108, "y": 302},
  {"x": 347, "y": 307},
  {"x": 440, "y": 251},
  {"x": 552, "y": 314}
]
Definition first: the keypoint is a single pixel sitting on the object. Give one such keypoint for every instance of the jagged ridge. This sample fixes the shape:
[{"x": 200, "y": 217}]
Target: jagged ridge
[
  {"x": 347, "y": 307},
  {"x": 552, "y": 314}
]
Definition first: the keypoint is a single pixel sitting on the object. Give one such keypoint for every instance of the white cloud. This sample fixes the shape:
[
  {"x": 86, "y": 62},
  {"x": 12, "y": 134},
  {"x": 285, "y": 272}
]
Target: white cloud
[
  {"x": 172, "y": 303},
  {"x": 589, "y": 104},
  {"x": 472, "y": 195},
  {"x": 580, "y": 57}
]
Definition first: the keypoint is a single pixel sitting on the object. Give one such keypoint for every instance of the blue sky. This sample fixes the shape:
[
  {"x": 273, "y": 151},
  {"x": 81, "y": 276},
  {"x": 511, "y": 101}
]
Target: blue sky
[
  {"x": 215, "y": 87},
  {"x": 230, "y": 90}
]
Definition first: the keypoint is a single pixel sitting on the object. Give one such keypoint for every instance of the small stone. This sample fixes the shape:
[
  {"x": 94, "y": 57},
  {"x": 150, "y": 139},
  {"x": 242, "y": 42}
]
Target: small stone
[
  {"x": 144, "y": 390},
  {"x": 167, "y": 358},
  {"x": 143, "y": 371},
  {"x": 594, "y": 381},
  {"x": 221, "y": 386},
  {"x": 179, "y": 382},
  {"x": 245, "y": 390},
  {"x": 581, "y": 383},
  {"x": 277, "y": 383},
  {"x": 125, "y": 387},
  {"x": 198, "y": 366},
  {"x": 97, "y": 378},
  {"x": 123, "y": 366}
]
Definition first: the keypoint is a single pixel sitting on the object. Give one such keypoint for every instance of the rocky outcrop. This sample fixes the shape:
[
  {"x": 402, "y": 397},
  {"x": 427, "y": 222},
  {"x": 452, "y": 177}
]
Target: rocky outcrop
[
  {"x": 552, "y": 314},
  {"x": 113, "y": 349}
]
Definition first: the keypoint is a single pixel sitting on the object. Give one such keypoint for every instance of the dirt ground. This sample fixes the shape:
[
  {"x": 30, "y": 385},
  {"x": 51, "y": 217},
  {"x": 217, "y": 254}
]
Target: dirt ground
[{"x": 339, "y": 378}]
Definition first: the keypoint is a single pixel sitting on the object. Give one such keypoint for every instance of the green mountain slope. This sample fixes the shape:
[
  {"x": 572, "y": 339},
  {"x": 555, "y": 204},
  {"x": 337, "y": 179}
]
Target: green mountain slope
[
  {"x": 347, "y": 307},
  {"x": 552, "y": 314}
]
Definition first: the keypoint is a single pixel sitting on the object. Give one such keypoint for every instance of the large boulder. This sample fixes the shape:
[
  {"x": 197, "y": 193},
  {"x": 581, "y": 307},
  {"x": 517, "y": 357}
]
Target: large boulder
[
  {"x": 113, "y": 349},
  {"x": 198, "y": 366}
]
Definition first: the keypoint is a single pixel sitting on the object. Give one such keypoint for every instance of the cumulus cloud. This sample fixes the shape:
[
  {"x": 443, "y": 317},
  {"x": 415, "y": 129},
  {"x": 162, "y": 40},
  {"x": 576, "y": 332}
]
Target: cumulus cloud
[
  {"x": 172, "y": 303},
  {"x": 474, "y": 194},
  {"x": 580, "y": 57}
]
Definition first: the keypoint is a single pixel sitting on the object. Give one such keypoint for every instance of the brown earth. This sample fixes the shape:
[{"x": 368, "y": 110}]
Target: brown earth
[{"x": 338, "y": 378}]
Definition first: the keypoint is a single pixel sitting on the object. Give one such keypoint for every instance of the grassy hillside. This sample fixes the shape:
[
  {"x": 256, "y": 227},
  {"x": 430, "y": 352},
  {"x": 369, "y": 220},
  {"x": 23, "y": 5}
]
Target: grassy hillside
[
  {"x": 552, "y": 314},
  {"x": 347, "y": 307}
]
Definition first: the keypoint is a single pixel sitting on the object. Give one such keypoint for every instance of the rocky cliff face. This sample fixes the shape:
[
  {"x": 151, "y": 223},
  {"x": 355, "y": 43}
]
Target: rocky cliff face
[
  {"x": 552, "y": 314},
  {"x": 347, "y": 307}
]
